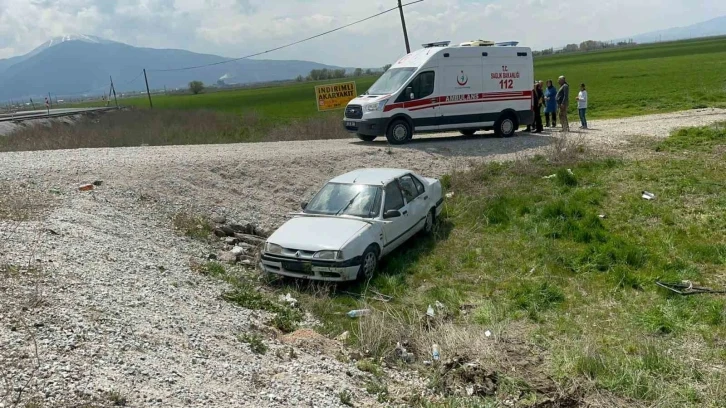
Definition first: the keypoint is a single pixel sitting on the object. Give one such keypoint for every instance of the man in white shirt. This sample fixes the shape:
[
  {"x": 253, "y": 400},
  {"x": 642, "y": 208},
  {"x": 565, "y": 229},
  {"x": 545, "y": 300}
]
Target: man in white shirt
[{"x": 582, "y": 106}]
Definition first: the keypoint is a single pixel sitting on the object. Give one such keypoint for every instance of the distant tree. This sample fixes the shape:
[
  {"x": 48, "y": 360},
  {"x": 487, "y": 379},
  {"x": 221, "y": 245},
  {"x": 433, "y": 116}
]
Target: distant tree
[
  {"x": 571, "y": 48},
  {"x": 369, "y": 71},
  {"x": 299, "y": 78},
  {"x": 358, "y": 72},
  {"x": 386, "y": 67},
  {"x": 196, "y": 87},
  {"x": 338, "y": 73}
]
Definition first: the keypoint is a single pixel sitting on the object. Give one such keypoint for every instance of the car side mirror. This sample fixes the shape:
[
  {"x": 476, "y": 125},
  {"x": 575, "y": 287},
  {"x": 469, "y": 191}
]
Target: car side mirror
[
  {"x": 409, "y": 92},
  {"x": 391, "y": 214},
  {"x": 303, "y": 205}
]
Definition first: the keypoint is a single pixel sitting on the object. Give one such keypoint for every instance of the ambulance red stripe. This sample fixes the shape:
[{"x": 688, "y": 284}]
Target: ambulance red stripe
[
  {"x": 471, "y": 101},
  {"x": 459, "y": 99}
]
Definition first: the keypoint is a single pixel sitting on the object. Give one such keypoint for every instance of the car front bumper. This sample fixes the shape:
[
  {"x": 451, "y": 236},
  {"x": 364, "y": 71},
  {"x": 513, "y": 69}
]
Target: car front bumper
[
  {"x": 331, "y": 271},
  {"x": 368, "y": 127}
]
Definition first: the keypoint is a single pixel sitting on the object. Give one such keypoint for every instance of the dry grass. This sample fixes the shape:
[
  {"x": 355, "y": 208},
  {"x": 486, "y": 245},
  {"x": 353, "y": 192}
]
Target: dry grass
[
  {"x": 318, "y": 127},
  {"x": 20, "y": 299},
  {"x": 193, "y": 226},
  {"x": 20, "y": 202},
  {"x": 129, "y": 128},
  {"x": 22, "y": 280},
  {"x": 379, "y": 332}
]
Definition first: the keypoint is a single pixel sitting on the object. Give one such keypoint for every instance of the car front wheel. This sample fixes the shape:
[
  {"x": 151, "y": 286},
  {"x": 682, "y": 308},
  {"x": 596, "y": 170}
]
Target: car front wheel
[
  {"x": 368, "y": 264},
  {"x": 399, "y": 132}
]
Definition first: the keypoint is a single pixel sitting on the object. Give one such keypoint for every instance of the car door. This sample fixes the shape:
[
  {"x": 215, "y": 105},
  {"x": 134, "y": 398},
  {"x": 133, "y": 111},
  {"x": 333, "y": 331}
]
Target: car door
[
  {"x": 395, "y": 230},
  {"x": 423, "y": 108},
  {"x": 416, "y": 201}
]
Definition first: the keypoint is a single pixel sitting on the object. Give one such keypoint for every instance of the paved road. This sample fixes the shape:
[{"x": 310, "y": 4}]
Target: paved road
[{"x": 35, "y": 114}]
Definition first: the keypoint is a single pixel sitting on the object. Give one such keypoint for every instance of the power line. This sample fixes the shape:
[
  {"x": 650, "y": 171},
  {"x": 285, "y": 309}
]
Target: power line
[
  {"x": 137, "y": 77},
  {"x": 287, "y": 45}
]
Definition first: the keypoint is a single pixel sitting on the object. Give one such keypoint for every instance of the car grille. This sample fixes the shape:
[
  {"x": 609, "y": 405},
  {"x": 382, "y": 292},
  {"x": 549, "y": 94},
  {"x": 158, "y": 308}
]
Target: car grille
[
  {"x": 299, "y": 267},
  {"x": 297, "y": 253},
  {"x": 354, "y": 112}
]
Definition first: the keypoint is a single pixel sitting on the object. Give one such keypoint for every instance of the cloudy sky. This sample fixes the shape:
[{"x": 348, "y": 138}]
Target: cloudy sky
[{"x": 237, "y": 27}]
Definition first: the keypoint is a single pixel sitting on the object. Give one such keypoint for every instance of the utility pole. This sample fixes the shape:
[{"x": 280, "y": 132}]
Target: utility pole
[
  {"x": 151, "y": 105},
  {"x": 114, "y": 92},
  {"x": 403, "y": 24},
  {"x": 32, "y": 103},
  {"x": 50, "y": 100}
]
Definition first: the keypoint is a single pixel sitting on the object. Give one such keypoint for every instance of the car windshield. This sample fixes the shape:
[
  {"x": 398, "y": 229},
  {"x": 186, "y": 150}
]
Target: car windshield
[
  {"x": 391, "y": 81},
  {"x": 346, "y": 199}
]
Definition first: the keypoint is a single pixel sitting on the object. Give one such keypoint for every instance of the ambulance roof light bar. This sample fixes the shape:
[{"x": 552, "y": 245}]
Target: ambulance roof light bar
[
  {"x": 507, "y": 44},
  {"x": 437, "y": 44}
]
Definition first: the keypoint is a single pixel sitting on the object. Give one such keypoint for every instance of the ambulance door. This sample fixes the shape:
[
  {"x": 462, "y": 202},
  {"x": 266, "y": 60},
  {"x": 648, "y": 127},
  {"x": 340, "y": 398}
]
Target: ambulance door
[
  {"x": 508, "y": 82},
  {"x": 461, "y": 80},
  {"x": 420, "y": 100}
]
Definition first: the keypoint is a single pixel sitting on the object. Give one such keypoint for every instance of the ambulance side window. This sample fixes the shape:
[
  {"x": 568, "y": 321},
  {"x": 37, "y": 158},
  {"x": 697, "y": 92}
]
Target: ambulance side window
[{"x": 422, "y": 86}]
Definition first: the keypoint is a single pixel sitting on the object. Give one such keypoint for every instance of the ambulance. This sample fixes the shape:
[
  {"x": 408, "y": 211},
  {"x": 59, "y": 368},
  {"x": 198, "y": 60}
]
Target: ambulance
[{"x": 476, "y": 85}]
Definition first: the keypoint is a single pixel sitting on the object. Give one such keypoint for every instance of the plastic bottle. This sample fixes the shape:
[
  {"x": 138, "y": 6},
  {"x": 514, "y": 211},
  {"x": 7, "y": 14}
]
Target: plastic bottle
[
  {"x": 358, "y": 313},
  {"x": 435, "y": 352}
]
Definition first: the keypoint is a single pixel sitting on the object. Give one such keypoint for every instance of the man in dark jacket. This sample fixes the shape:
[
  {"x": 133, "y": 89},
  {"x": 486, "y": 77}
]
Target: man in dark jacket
[
  {"x": 563, "y": 102},
  {"x": 537, "y": 98}
]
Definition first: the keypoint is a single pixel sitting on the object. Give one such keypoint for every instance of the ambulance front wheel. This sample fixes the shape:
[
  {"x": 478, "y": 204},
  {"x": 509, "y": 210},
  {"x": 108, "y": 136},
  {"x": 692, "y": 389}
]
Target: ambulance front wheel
[
  {"x": 506, "y": 125},
  {"x": 366, "y": 138},
  {"x": 399, "y": 132}
]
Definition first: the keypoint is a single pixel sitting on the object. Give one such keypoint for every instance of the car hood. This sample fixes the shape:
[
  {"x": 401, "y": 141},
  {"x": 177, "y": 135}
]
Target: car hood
[
  {"x": 364, "y": 100},
  {"x": 316, "y": 233}
]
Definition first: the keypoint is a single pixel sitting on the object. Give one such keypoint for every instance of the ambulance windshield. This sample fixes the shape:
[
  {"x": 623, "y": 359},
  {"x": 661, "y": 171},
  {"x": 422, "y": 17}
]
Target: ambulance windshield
[{"x": 391, "y": 81}]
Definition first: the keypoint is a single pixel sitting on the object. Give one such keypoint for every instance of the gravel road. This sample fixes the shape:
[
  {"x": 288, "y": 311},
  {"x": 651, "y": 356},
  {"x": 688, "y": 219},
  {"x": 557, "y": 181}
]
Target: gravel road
[{"x": 105, "y": 298}]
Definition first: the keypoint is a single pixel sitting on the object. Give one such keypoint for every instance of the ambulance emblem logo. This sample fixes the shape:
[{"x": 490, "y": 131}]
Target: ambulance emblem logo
[{"x": 462, "y": 79}]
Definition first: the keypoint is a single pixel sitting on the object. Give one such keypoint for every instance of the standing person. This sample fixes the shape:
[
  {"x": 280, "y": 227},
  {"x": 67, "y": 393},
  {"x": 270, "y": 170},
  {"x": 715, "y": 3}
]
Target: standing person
[
  {"x": 550, "y": 95},
  {"x": 582, "y": 106},
  {"x": 563, "y": 102},
  {"x": 537, "y": 96}
]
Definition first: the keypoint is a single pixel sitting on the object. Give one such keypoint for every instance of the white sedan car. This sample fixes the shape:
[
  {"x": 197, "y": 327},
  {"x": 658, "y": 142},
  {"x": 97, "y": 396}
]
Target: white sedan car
[{"x": 351, "y": 223}]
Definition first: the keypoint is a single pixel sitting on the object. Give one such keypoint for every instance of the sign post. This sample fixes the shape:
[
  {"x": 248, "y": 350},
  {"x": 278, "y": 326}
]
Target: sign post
[{"x": 334, "y": 96}]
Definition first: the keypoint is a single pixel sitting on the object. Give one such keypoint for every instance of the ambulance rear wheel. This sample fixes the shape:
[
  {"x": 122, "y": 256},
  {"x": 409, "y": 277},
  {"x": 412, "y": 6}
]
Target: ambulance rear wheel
[
  {"x": 506, "y": 125},
  {"x": 399, "y": 132},
  {"x": 366, "y": 138}
]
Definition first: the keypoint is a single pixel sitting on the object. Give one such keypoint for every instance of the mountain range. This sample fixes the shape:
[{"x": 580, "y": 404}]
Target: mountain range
[
  {"x": 710, "y": 28},
  {"x": 74, "y": 65}
]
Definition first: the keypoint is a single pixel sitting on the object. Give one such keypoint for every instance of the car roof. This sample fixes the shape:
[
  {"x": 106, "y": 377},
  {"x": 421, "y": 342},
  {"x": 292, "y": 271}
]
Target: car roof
[{"x": 370, "y": 176}]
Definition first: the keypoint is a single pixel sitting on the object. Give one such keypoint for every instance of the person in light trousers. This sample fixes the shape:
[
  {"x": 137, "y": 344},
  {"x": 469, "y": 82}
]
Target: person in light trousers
[
  {"x": 563, "y": 102},
  {"x": 582, "y": 106}
]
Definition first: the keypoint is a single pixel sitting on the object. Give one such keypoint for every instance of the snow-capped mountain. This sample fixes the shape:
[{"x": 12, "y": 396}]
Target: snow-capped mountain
[
  {"x": 90, "y": 39},
  {"x": 81, "y": 64}
]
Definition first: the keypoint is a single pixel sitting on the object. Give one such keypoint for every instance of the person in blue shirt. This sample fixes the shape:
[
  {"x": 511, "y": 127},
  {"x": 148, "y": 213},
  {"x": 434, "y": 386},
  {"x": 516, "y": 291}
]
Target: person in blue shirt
[{"x": 550, "y": 103}]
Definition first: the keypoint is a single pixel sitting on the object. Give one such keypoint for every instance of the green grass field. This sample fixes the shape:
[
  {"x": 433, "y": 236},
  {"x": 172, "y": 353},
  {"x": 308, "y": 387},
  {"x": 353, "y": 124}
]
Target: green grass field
[
  {"x": 544, "y": 271},
  {"x": 621, "y": 82},
  {"x": 567, "y": 265},
  {"x": 294, "y": 101},
  {"x": 645, "y": 79}
]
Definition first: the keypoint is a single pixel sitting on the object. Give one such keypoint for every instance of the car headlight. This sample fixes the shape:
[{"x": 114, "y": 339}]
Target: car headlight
[
  {"x": 271, "y": 248},
  {"x": 377, "y": 106},
  {"x": 328, "y": 255}
]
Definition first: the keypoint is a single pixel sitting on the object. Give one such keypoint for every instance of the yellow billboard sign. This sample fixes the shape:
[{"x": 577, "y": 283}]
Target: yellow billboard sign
[{"x": 335, "y": 96}]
